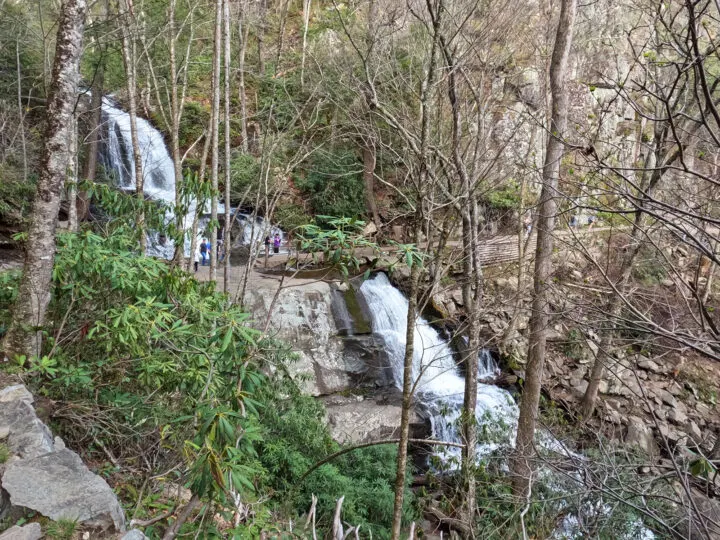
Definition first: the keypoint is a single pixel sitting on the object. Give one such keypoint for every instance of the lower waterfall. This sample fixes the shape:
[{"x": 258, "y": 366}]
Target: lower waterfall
[{"x": 439, "y": 385}]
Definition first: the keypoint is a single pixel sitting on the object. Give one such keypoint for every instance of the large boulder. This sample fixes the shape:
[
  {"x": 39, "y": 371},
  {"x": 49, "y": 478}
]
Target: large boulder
[
  {"x": 44, "y": 476},
  {"x": 354, "y": 419},
  {"x": 31, "y": 531},
  {"x": 60, "y": 486},
  {"x": 331, "y": 357}
]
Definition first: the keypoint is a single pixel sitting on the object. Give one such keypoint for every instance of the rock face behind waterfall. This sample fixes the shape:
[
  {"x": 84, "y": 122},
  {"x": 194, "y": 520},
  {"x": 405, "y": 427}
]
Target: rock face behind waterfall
[
  {"x": 345, "y": 367},
  {"x": 42, "y": 475}
]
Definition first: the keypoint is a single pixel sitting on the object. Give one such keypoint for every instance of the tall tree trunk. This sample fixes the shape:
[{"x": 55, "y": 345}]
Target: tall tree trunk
[
  {"x": 227, "y": 240},
  {"x": 130, "y": 62},
  {"x": 176, "y": 113},
  {"x": 521, "y": 468},
  {"x": 408, "y": 383},
  {"x": 72, "y": 180},
  {"x": 23, "y": 337},
  {"x": 95, "y": 135},
  {"x": 369, "y": 161},
  {"x": 615, "y": 304},
  {"x": 21, "y": 110},
  {"x": 200, "y": 207},
  {"x": 306, "y": 24},
  {"x": 260, "y": 34},
  {"x": 214, "y": 128},
  {"x": 243, "y": 36}
]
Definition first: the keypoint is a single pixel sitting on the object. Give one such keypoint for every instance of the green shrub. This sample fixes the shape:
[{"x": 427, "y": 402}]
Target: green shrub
[
  {"x": 333, "y": 183},
  {"x": 62, "y": 529}
]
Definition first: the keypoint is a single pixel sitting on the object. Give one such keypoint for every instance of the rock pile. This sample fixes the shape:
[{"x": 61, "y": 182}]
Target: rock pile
[{"x": 42, "y": 475}]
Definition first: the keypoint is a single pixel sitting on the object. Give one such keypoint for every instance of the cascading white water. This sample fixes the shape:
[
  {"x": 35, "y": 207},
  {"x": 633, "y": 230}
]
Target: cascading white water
[
  {"x": 439, "y": 385},
  {"x": 159, "y": 180},
  {"x": 157, "y": 166}
]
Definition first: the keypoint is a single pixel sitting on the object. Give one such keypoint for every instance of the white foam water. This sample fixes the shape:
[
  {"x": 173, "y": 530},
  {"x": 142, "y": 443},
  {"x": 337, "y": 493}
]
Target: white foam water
[{"x": 439, "y": 385}]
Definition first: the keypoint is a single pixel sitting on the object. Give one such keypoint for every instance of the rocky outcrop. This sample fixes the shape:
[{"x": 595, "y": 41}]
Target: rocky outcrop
[
  {"x": 358, "y": 419},
  {"x": 303, "y": 315},
  {"x": 43, "y": 476},
  {"x": 31, "y": 531}
]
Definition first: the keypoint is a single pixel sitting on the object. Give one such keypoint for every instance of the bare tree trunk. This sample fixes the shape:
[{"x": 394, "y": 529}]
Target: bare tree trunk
[
  {"x": 260, "y": 34},
  {"x": 21, "y": 110},
  {"x": 72, "y": 180},
  {"x": 23, "y": 337},
  {"x": 227, "y": 240},
  {"x": 306, "y": 23},
  {"x": 369, "y": 181},
  {"x": 176, "y": 113},
  {"x": 95, "y": 135},
  {"x": 129, "y": 59},
  {"x": 214, "y": 130},
  {"x": 243, "y": 36},
  {"x": 408, "y": 382},
  {"x": 521, "y": 468},
  {"x": 200, "y": 207}
]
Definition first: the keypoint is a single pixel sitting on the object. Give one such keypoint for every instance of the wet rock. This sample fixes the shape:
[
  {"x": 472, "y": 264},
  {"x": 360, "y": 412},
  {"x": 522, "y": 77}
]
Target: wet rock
[
  {"x": 31, "y": 531},
  {"x": 58, "y": 485}
]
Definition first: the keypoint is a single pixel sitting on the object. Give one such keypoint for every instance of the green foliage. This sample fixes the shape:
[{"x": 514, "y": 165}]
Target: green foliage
[
  {"x": 291, "y": 217},
  {"x": 296, "y": 438},
  {"x": 505, "y": 198},
  {"x": 245, "y": 173},
  {"x": 62, "y": 529},
  {"x": 337, "y": 239},
  {"x": 16, "y": 194},
  {"x": 333, "y": 183},
  {"x": 4, "y": 453},
  {"x": 9, "y": 282},
  {"x": 573, "y": 346},
  {"x": 649, "y": 267}
]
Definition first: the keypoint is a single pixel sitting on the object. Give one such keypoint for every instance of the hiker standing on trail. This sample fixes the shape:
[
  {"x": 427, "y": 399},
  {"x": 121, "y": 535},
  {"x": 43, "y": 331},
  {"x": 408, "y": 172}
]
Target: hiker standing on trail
[
  {"x": 528, "y": 225},
  {"x": 204, "y": 250},
  {"x": 267, "y": 244},
  {"x": 276, "y": 243},
  {"x": 573, "y": 221}
]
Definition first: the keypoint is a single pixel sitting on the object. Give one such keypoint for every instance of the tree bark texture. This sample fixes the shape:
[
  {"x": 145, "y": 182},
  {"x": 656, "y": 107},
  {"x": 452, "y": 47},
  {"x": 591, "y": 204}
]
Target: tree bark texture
[
  {"x": 94, "y": 137},
  {"x": 408, "y": 383},
  {"x": 23, "y": 337},
  {"x": 72, "y": 180},
  {"x": 521, "y": 468},
  {"x": 214, "y": 129},
  {"x": 129, "y": 59},
  {"x": 227, "y": 240}
]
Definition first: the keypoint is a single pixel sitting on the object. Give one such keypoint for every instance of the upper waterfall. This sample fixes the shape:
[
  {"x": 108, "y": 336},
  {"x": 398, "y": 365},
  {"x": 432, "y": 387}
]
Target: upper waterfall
[{"x": 118, "y": 157}]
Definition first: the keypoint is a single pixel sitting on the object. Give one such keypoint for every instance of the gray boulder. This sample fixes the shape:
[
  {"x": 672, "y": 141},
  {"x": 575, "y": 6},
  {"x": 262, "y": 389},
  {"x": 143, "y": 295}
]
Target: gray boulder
[
  {"x": 26, "y": 435},
  {"x": 641, "y": 435},
  {"x": 59, "y": 486},
  {"x": 31, "y": 531},
  {"x": 134, "y": 534}
]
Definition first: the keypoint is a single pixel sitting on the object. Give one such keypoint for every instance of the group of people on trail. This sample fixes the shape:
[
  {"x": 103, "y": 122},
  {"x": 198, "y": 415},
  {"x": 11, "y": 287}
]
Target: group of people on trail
[
  {"x": 203, "y": 253},
  {"x": 204, "y": 250},
  {"x": 575, "y": 223},
  {"x": 276, "y": 241}
]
